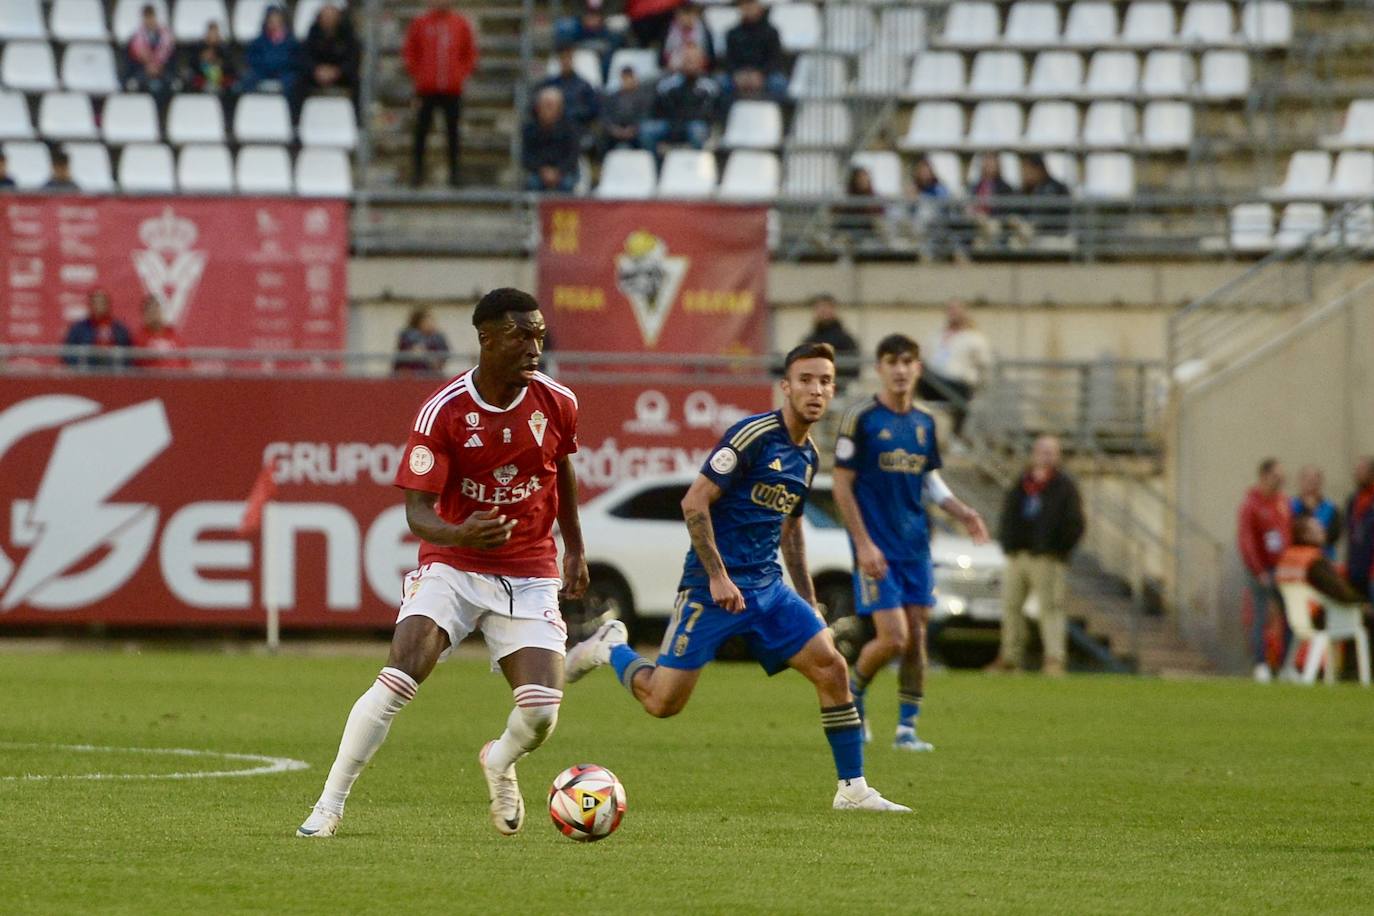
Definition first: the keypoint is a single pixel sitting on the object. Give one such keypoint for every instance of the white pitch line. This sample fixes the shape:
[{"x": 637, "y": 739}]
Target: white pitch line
[{"x": 267, "y": 764}]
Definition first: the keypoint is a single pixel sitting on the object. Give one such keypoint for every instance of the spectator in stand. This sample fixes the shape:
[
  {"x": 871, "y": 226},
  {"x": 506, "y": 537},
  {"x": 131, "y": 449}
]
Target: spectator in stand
[
  {"x": 61, "y": 179},
  {"x": 827, "y": 328},
  {"x": 1263, "y": 527},
  {"x": 1305, "y": 560},
  {"x": 1036, "y": 181},
  {"x": 926, "y": 211},
  {"x": 158, "y": 336},
  {"x": 98, "y": 329},
  {"x": 687, "y": 31},
  {"x": 624, "y": 110},
  {"x": 926, "y": 183},
  {"x": 1042, "y": 522},
  {"x": 580, "y": 102},
  {"x": 332, "y": 52},
  {"x": 989, "y": 186},
  {"x": 149, "y": 54},
  {"x": 589, "y": 30},
  {"x": 210, "y": 65},
  {"x": 6, "y": 182},
  {"x": 1359, "y": 528},
  {"x": 440, "y": 55},
  {"x": 686, "y": 103},
  {"x": 551, "y": 145},
  {"x": 274, "y": 60},
  {"x": 650, "y": 20},
  {"x": 753, "y": 56},
  {"x": 421, "y": 348},
  {"x": 957, "y": 363},
  {"x": 859, "y": 221},
  {"x": 1312, "y": 502}
]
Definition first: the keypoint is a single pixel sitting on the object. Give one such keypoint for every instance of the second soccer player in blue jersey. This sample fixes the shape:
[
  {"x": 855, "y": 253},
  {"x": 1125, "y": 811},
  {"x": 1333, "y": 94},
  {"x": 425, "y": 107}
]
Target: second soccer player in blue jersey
[{"x": 887, "y": 463}]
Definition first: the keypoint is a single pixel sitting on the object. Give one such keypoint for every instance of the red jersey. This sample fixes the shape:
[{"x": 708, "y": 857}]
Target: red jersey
[{"x": 476, "y": 456}]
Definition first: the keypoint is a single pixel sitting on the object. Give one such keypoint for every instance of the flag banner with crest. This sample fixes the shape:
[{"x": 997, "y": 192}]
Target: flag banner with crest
[
  {"x": 654, "y": 277},
  {"x": 250, "y": 273}
]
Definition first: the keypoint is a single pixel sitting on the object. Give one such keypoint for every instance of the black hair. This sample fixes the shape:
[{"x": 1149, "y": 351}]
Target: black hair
[
  {"x": 821, "y": 297},
  {"x": 499, "y": 301},
  {"x": 808, "y": 351},
  {"x": 61, "y": 158},
  {"x": 1267, "y": 466},
  {"x": 897, "y": 345}
]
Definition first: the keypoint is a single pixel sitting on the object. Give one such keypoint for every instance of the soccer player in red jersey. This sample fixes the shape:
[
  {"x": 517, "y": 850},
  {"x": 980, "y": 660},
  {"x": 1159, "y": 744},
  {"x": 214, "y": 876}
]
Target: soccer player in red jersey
[{"x": 486, "y": 472}]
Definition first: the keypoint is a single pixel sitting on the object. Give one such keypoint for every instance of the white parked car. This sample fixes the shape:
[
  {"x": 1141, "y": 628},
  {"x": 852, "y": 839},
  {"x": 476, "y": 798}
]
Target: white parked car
[{"x": 636, "y": 541}]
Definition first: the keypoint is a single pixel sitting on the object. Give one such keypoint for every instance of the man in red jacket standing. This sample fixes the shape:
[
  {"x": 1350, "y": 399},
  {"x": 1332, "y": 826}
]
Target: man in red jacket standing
[
  {"x": 440, "y": 55},
  {"x": 1263, "y": 530}
]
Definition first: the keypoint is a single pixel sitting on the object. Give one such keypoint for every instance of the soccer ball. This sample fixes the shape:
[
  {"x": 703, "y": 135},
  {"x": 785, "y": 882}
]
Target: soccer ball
[{"x": 586, "y": 802}]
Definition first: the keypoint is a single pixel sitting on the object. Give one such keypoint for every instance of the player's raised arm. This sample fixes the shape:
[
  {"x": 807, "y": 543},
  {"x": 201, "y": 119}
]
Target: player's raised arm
[
  {"x": 870, "y": 558},
  {"x": 696, "y": 509},
  {"x": 575, "y": 574},
  {"x": 939, "y": 493},
  {"x": 793, "y": 547},
  {"x": 483, "y": 530}
]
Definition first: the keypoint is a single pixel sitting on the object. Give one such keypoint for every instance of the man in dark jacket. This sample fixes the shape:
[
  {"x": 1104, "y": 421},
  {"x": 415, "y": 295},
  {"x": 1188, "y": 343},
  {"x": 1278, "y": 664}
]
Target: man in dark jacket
[
  {"x": 98, "y": 329},
  {"x": 1042, "y": 522},
  {"x": 332, "y": 51},
  {"x": 580, "y": 101},
  {"x": 1359, "y": 529},
  {"x": 1036, "y": 181},
  {"x": 623, "y": 111},
  {"x": 753, "y": 55},
  {"x": 550, "y": 148},
  {"x": 827, "y": 328},
  {"x": 685, "y": 105}
]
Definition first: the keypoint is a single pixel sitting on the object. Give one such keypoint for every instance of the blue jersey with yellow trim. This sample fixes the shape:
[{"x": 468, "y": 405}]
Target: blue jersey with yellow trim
[
  {"x": 764, "y": 477},
  {"x": 890, "y": 454}
]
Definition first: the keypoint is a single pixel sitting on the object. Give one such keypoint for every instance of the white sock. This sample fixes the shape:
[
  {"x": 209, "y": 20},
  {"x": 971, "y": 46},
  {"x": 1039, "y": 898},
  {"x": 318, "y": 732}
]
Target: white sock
[
  {"x": 529, "y": 725},
  {"x": 854, "y": 787},
  {"x": 364, "y": 732}
]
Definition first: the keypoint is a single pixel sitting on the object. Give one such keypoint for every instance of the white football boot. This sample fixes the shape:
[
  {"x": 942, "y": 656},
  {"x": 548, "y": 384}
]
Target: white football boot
[
  {"x": 594, "y": 651},
  {"x": 507, "y": 804},
  {"x": 858, "y": 795},
  {"x": 320, "y": 823},
  {"x": 906, "y": 740}
]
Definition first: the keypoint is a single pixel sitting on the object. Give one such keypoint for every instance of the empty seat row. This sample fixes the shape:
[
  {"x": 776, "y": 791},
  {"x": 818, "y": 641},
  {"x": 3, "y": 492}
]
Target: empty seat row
[
  {"x": 1313, "y": 175},
  {"x": 1050, "y": 125},
  {"x": 30, "y": 66},
  {"x": 758, "y": 125},
  {"x": 1358, "y": 129},
  {"x": 631, "y": 174},
  {"x": 1094, "y": 23},
  {"x": 84, "y": 20},
  {"x": 1252, "y": 227},
  {"x": 133, "y": 118},
  {"x": 841, "y": 28},
  {"x": 203, "y": 168}
]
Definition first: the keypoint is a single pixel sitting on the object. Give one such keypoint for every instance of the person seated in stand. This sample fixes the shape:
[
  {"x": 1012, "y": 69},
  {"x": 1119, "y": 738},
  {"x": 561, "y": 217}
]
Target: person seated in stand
[
  {"x": 61, "y": 179},
  {"x": 6, "y": 182},
  {"x": 687, "y": 31},
  {"x": 588, "y": 30},
  {"x": 1036, "y": 181},
  {"x": 274, "y": 59},
  {"x": 686, "y": 104},
  {"x": 1304, "y": 560},
  {"x": 421, "y": 348},
  {"x": 624, "y": 110},
  {"x": 581, "y": 105},
  {"x": 159, "y": 337},
  {"x": 332, "y": 52},
  {"x": 147, "y": 58},
  {"x": 101, "y": 330},
  {"x": 551, "y": 145},
  {"x": 753, "y": 56},
  {"x": 861, "y": 221}
]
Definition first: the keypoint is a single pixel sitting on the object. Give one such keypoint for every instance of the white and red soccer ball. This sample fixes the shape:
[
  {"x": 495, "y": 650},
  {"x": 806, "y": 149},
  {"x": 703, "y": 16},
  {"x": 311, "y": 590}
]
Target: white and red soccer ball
[{"x": 586, "y": 802}]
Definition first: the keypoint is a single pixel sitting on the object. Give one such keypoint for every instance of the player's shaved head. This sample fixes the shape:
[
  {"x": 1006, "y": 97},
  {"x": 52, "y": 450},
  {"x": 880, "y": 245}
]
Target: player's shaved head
[{"x": 496, "y": 303}]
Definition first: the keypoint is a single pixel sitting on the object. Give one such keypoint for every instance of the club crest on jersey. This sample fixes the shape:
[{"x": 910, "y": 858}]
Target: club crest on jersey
[
  {"x": 920, "y": 435},
  {"x": 886, "y": 434},
  {"x": 505, "y": 473},
  {"x": 775, "y": 464},
  {"x": 474, "y": 441},
  {"x": 505, "y": 435},
  {"x": 538, "y": 423},
  {"x": 421, "y": 460},
  {"x": 473, "y": 418}
]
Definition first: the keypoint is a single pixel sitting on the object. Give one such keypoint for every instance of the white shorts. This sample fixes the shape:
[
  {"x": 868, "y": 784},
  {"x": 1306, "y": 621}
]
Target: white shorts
[{"x": 525, "y": 616}]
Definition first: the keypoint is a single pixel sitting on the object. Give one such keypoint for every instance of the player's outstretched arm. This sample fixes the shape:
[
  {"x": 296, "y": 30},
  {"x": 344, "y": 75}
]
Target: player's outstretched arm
[
  {"x": 940, "y": 494},
  {"x": 696, "y": 509},
  {"x": 575, "y": 575},
  {"x": 871, "y": 561},
  {"x": 793, "y": 546},
  {"x": 482, "y": 530}
]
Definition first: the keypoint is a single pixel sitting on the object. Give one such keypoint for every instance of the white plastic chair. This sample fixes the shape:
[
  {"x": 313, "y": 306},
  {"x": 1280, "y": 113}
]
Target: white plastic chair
[
  {"x": 91, "y": 167},
  {"x": 946, "y": 167},
  {"x": 995, "y": 125},
  {"x": 971, "y": 25},
  {"x": 1309, "y": 173},
  {"x": 934, "y": 125},
  {"x": 15, "y": 123},
  {"x": 848, "y": 28},
  {"x": 719, "y": 20},
  {"x": 1267, "y": 23},
  {"x": 147, "y": 168},
  {"x": 128, "y": 16},
  {"x": 643, "y": 61},
  {"x": 997, "y": 74},
  {"x": 882, "y": 72},
  {"x": 205, "y": 168},
  {"x": 1108, "y": 176},
  {"x": 29, "y": 163},
  {"x": 262, "y": 118},
  {"x": 1168, "y": 74},
  {"x": 884, "y": 167},
  {"x": 1167, "y": 126},
  {"x": 247, "y": 20},
  {"x": 66, "y": 116},
  {"x": 28, "y": 66},
  {"x": 1090, "y": 24},
  {"x": 936, "y": 74},
  {"x": 1225, "y": 74},
  {"x": 1148, "y": 23},
  {"x": 1051, "y": 125},
  {"x": 753, "y": 125},
  {"x": 1299, "y": 226},
  {"x": 811, "y": 174},
  {"x": 1063, "y": 167},
  {"x": 1343, "y": 624},
  {"x": 1112, "y": 74},
  {"x": 798, "y": 25},
  {"x": 627, "y": 174},
  {"x": 902, "y": 29},
  {"x": 1207, "y": 22},
  {"x": 687, "y": 173},
  {"x": 1056, "y": 74},
  {"x": 1110, "y": 125},
  {"x": 1353, "y": 176},
  {"x": 190, "y": 17},
  {"x": 323, "y": 173},
  {"x": 1252, "y": 227},
  {"x": 818, "y": 76},
  {"x": 329, "y": 121},
  {"x": 90, "y": 67},
  {"x": 194, "y": 118},
  {"x": 586, "y": 64},
  {"x": 1358, "y": 128},
  {"x": 826, "y": 125},
  {"x": 263, "y": 170},
  {"x": 21, "y": 20},
  {"x": 78, "y": 20},
  {"x": 1032, "y": 24},
  {"x": 130, "y": 118},
  {"x": 750, "y": 175}
]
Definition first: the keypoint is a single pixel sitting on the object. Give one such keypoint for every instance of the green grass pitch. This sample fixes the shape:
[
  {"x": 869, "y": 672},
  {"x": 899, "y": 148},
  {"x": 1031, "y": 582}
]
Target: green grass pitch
[{"x": 1091, "y": 795}]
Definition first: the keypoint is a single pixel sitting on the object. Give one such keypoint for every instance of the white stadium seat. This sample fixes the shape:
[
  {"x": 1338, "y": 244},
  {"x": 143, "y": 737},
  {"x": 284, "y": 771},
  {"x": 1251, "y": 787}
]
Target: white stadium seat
[
  {"x": 643, "y": 61},
  {"x": 15, "y": 123},
  {"x": 147, "y": 168},
  {"x": 263, "y": 170},
  {"x": 935, "y": 125},
  {"x": 586, "y": 64},
  {"x": 1112, "y": 125},
  {"x": 1090, "y": 24},
  {"x": 882, "y": 71},
  {"x": 1032, "y": 25},
  {"x": 1064, "y": 167},
  {"x": 262, "y": 118},
  {"x": 798, "y": 25},
  {"x": 128, "y": 14},
  {"x": 21, "y": 19},
  {"x": 307, "y": 11},
  {"x": 1358, "y": 127},
  {"x": 825, "y": 125},
  {"x": 66, "y": 116},
  {"x": 1207, "y": 22},
  {"x": 818, "y": 76},
  {"x": 1056, "y": 74},
  {"x": 884, "y": 167},
  {"x": 1051, "y": 125},
  {"x": 936, "y": 74},
  {"x": 1299, "y": 224},
  {"x": 28, "y": 66},
  {"x": 848, "y": 28},
  {"x": 29, "y": 163},
  {"x": 323, "y": 173},
  {"x": 78, "y": 20},
  {"x": 91, "y": 167},
  {"x": 130, "y": 118},
  {"x": 971, "y": 25},
  {"x": 753, "y": 125},
  {"x": 1353, "y": 175},
  {"x": 1148, "y": 23},
  {"x": 902, "y": 29},
  {"x": 997, "y": 74},
  {"x": 1252, "y": 227},
  {"x": 946, "y": 167},
  {"x": 329, "y": 121},
  {"x": 995, "y": 125},
  {"x": 687, "y": 173},
  {"x": 627, "y": 174},
  {"x": 1108, "y": 176},
  {"x": 811, "y": 174},
  {"x": 247, "y": 19},
  {"x": 1225, "y": 74},
  {"x": 1168, "y": 74},
  {"x": 1112, "y": 73},
  {"x": 190, "y": 17},
  {"x": 205, "y": 168},
  {"x": 90, "y": 67},
  {"x": 1267, "y": 23},
  {"x": 750, "y": 175},
  {"x": 1167, "y": 126},
  {"x": 1309, "y": 173},
  {"x": 719, "y": 20},
  {"x": 195, "y": 119}
]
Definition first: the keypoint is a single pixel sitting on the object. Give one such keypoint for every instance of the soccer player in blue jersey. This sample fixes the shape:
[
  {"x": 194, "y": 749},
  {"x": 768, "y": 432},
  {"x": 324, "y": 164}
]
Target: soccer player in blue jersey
[
  {"x": 887, "y": 462},
  {"x": 743, "y": 507}
]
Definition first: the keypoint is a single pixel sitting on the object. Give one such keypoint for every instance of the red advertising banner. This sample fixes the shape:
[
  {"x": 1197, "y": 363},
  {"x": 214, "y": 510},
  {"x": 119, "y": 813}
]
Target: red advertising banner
[
  {"x": 252, "y": 273},
  {"x": 123, "y": 498},
  {"x": 654, "y": 277}
]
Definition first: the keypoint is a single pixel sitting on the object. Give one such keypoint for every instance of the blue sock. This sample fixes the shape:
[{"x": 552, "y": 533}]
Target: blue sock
[
  {"x": 627, "y": 663},
  {"x": 844, "y": 731},
  {"x": 908, "y": 708},
  {"x": 858, "y": 693}
]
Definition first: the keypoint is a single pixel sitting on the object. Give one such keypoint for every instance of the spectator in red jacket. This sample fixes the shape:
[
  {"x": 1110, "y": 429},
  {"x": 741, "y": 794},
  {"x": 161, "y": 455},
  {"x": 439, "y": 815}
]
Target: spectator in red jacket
[
  {"x": 440, "y": 55},
  {"x": 650, "y": 20},
  {"x": 1263, "y": 529},
  {"x": 1359, "y": 528},
  {"x": 158, "y": 336}
]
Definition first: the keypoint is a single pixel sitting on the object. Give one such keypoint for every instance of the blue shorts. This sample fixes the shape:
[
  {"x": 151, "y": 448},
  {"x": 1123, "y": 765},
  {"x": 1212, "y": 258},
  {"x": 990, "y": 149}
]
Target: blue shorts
[
  {"x": 908, "y": 582},
  {"x": 775, "y": 622}
]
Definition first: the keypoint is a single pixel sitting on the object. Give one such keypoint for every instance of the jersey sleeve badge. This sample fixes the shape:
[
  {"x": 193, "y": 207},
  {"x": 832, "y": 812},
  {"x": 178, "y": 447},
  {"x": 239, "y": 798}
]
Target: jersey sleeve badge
[{"x": 421, "y": 460}]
